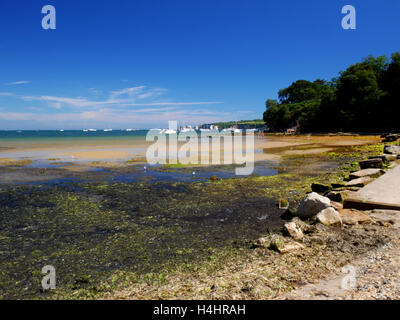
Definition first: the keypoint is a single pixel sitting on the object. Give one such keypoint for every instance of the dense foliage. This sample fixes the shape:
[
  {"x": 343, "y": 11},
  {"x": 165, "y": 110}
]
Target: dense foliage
[
  {"x": 256, "y": 123},
  {"x": 365, "y": 97}
]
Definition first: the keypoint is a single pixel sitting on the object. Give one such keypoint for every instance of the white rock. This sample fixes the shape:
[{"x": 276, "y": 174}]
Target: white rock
[
  {"x": 390, "y": 149},
  {"x": 311, "y": 205},
  {"x": 329, "y": 217},
  {"x": 294, "y": 231},
  {"x": 291, "y": 246}
]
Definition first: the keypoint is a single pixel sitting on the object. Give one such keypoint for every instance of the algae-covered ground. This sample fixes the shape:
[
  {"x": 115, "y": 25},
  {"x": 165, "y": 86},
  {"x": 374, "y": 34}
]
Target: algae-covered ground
[{"x": 104, "y": 237}]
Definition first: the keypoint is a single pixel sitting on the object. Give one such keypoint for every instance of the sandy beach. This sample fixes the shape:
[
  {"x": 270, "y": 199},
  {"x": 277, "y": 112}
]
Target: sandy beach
[{"x": 85, "y": 151}]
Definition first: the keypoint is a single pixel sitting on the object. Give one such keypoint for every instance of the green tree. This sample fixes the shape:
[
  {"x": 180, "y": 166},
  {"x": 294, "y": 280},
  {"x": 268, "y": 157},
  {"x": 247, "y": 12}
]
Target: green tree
[{"x": 364, "y": 97}]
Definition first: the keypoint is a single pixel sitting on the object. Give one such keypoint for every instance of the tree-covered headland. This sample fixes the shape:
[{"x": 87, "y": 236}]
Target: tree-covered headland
[{"x": 363, "y": 98}]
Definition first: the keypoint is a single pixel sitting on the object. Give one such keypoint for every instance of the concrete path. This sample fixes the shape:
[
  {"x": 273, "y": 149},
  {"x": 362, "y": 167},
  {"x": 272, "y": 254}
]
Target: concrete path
[{"x": 383, "y": 193}]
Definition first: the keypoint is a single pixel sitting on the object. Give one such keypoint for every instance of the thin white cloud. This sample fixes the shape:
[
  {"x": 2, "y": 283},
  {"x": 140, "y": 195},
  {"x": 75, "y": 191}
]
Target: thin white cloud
[
  {"x": 56, "y": 105},
  {"x": 6, "y": 94},
  {"x": 12, "y": 116},
  {"x": 82, "y": 102},
  {"x": 95, "y": 91},
  {"x": 134, "y": 105},
  {"x": 127, "y": 91},
  {"x": 17, "y": 82},
  {"x": 116, "y": 117}
]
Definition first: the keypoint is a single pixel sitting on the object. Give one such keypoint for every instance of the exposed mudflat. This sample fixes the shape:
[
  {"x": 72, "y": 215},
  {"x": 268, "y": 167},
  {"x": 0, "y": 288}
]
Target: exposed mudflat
[{"x": 120, "y": 232}]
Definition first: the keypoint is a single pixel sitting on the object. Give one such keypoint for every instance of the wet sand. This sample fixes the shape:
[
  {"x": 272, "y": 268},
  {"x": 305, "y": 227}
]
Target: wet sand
[{"x": 268, "y": 148}]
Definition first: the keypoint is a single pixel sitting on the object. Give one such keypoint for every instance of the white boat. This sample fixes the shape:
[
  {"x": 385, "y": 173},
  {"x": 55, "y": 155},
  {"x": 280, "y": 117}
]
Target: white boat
[
  {"x": 85, "y": 130},
  {"x": 61, "y": 130},
  {"x": 92, "y": 130},
  {"x": 168, "y": 131},
  {"x": 107, "y": 130},
  {"x": 129, "y": 129},
  {"x": 213, "y": 127},
  {"x": 187, "y": 129}
]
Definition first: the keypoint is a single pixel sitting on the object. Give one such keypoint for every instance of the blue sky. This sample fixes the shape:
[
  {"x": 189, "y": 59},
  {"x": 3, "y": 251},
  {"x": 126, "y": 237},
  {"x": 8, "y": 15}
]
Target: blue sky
[{"x": 138, "y": 64}]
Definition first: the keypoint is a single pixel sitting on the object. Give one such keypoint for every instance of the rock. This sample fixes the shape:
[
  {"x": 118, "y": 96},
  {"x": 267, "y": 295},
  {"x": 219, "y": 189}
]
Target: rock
[
  {"x": 383, "y": 223},
  {"x": 385, "y": 157},
  {"x": 214, "y": 178},
  {"x": 374, "y": 173},
  {"x": 391, "y": 137},
  {"x": 291, "y": 246},
  {"x": 371, "y": 163},
  {"x": 278, "y": 244},
  {"x": 360, "y": 182},
  {"x": 338, "y": 185},
  {"x": 348, "y": 190},
  {"x": 337, "y": 196},
  {"x": 389, "y": 216},
  {"x": 329, "y": 217},
  {"x": 352, "y": 216},
  {"x": 336, "y": 205},
  {"x": 392, "y": 149},
  {"x": 288, "y": 215},
  {"x": 311, "y": 205},
  {"x": 293, "y": 230},
  {"x": 305, "y": 227},
  {"x": 320, "y": 187},
  {"x": 283, "y": 204},
  {"x": 261, "y": 243}
]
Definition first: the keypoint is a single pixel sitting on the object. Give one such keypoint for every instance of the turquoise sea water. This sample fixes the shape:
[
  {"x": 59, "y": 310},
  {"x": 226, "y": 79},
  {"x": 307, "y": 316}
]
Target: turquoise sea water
[
  {"x": 68, "y": 134},
  {"x": 54, "y": 138}
]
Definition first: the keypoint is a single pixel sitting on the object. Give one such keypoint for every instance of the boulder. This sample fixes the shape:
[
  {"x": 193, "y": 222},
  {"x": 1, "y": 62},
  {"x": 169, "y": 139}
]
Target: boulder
[
  {"x": 352, "y": 216},
  {"x": 392, "y": 150},
  {"x": 385, "y": 157},
  {"x": 374, "y": 173},
  {"x": 371, "y": 163},
  {"x": 336, "y": 205},
  {"x": 293, "y": 230},
  {"x": 288, "y": 214},
  {"x": 360, "y": 182},
  {"x": 391, "y": 137},
  {"x": 329, "y": 217},
  {"x": 311, "y": 205},
  {"x": 337, "y": 196},
  {"x": 320, "y": 187}
]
